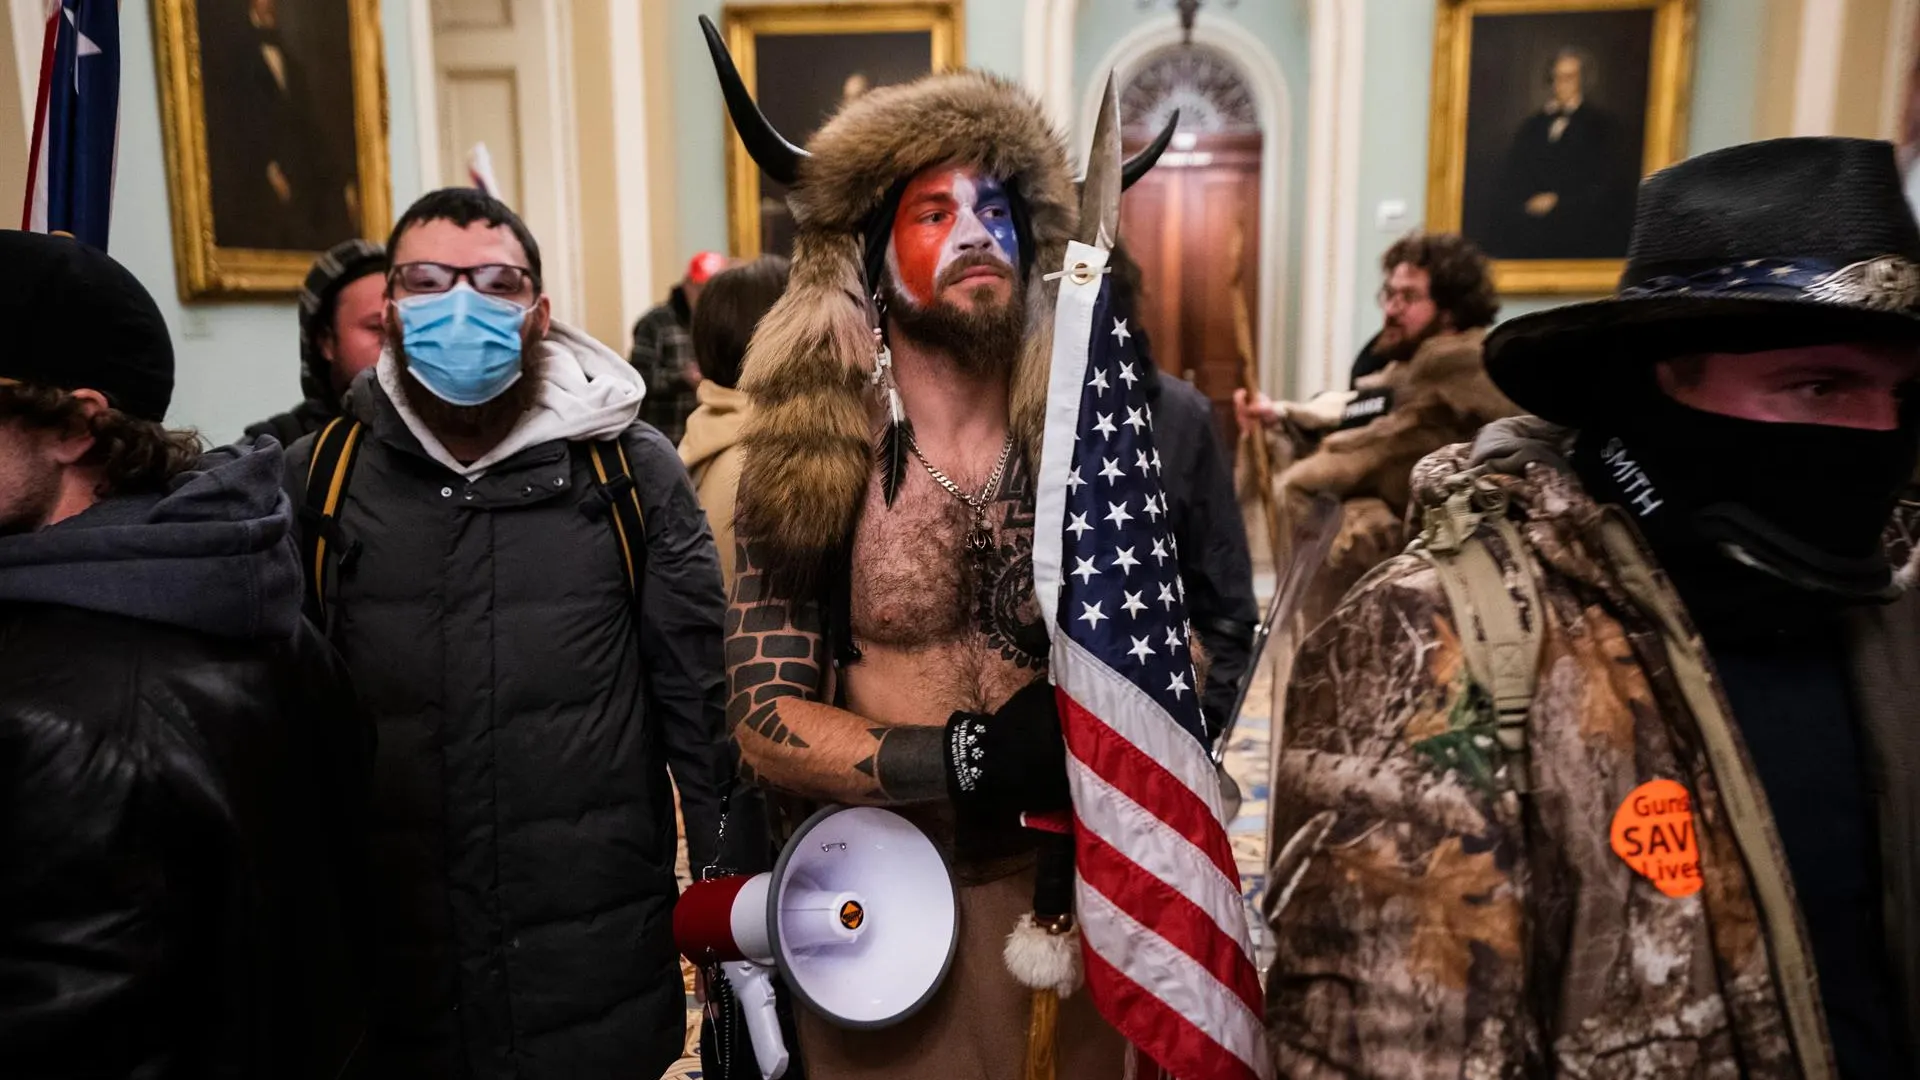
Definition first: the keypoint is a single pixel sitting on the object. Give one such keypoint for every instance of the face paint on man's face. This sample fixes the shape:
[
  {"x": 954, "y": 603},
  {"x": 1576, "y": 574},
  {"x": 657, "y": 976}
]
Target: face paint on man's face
[{"x": 946, "y": 214}]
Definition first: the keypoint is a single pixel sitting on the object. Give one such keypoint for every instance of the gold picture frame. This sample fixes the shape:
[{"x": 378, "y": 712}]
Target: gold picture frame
[
  {"x": 1669, "y": 65},
  {"x": 209, "y": 269},
  {"x": 745, "y": 24}
]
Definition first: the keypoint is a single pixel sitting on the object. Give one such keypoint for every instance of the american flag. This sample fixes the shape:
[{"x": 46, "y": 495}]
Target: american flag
[
  {"x": 76, "y": 122},
  {"x": 1167, "y": 955}
]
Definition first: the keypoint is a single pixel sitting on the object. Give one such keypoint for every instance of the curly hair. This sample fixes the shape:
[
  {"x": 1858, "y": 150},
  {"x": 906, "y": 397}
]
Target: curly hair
[
  {"x": 134, "y": 456},
  {"x": 1459, "y": 280}
]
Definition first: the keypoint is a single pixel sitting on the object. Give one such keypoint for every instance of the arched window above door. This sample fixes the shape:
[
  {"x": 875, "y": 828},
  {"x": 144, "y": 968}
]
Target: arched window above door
[{"x": 1208, "y": 88}]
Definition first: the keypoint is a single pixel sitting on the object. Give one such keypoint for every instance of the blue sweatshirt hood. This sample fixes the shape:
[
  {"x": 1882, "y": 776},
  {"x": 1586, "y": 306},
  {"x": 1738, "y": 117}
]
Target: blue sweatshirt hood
[{"x": 214, "y": 553}]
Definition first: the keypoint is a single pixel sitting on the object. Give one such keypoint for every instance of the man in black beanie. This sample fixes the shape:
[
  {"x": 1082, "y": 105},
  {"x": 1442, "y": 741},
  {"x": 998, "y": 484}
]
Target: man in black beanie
[
  {"x": 181, "y": 760},
  {"x": 1614, "y": 773},
  {"x": 343, "y": 311}
]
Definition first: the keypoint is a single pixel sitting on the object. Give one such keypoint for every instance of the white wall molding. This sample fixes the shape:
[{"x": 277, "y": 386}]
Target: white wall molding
[
  {"x": 29, "y": 19},
  {"x": 1048, "y": 56},
  {"x": 1817, "y": 69},
  {"x": 630, "y": 159},
  {"x": 1273, "y": 102},
  {"x": 1337, "y": 40},
  {"x": 426, "y": 100},
  {"x": 562, "y": 119},
  {"x": 1901, "y": 21}
]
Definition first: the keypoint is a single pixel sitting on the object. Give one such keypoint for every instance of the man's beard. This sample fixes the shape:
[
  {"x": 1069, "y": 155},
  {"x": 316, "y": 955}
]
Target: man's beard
[
  {"x": 498, "y": 416},
  {"x": 1401, "y": 345},
  {"x": 982, "y": 340}
]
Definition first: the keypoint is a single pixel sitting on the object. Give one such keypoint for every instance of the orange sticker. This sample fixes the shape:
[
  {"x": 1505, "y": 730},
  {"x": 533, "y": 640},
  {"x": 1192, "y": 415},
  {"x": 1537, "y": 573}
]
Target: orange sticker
[
  {"x": 1653, "y": 833},
  {"x": 852, "y": 915}
]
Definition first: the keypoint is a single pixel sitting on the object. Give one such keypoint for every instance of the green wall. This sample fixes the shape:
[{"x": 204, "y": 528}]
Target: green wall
[
  {"x": 993, "y": 36},
  {"x": 1393, "y": 141}
]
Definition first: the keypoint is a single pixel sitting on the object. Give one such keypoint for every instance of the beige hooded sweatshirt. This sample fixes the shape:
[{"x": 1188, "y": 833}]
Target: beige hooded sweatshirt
[{"x": 711, "y": 452}]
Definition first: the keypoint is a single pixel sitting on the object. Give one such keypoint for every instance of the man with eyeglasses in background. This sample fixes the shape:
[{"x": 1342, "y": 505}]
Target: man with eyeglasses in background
[
  {"x": 1420, "y": 385},
  {"x": 537, "y": 660}
]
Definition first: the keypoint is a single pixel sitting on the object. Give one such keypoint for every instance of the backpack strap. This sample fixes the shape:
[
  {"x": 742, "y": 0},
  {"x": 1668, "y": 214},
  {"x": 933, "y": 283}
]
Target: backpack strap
[
  {"x": 1499, "y": 642},
  {"x": 615, "y": 475},
  {"x": 333, "y": 454}
]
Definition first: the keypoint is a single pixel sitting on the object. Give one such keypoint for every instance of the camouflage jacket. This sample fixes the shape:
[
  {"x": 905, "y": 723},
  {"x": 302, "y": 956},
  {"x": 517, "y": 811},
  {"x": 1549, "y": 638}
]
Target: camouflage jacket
[{"x": 1431, "y": 920}]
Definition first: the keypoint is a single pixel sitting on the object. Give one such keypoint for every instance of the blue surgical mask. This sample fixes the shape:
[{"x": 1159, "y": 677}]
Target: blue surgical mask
[{"x": 461, "y": 345}]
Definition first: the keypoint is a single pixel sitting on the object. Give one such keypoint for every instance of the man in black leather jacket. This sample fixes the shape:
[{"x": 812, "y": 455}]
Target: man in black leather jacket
[{"x": 181, "y": 761}]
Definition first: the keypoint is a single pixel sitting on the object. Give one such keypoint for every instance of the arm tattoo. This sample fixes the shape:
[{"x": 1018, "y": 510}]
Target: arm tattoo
[{"x": 789, "y": 739}]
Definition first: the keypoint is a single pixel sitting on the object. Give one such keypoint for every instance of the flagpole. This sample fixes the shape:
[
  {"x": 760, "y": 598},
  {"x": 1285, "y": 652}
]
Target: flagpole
[{"x": 36, "y": 164}]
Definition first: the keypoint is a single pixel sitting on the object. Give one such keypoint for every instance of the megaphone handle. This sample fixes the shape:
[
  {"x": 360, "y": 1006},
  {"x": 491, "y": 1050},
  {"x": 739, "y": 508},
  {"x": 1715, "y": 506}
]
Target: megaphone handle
[{"x": 753, "y": 986}]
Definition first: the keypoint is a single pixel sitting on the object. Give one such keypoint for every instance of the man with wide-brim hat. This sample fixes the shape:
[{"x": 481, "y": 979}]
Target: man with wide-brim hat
[{"x": 1613, "y": 773}]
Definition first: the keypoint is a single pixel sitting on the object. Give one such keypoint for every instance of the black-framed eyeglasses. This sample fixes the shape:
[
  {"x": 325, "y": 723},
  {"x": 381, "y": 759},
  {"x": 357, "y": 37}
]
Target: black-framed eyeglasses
[
  {"x": 1388, "y": 296},
  {"x": 491, "y": 279}
]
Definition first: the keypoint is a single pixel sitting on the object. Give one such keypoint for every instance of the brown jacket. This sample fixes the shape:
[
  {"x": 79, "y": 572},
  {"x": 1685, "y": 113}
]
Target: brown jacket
[
  {"x": 711, "y": 452},
  {"x": 1441, "y": 396},
  {"x": 1431, "y": 921}
]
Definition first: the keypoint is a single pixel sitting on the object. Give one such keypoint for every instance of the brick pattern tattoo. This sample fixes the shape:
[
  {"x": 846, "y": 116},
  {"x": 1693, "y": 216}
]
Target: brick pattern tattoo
[{"x": 776, "y": 665}]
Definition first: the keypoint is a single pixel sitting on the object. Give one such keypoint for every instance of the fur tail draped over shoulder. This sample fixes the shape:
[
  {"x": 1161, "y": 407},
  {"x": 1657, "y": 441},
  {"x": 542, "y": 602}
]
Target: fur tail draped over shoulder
[{"x": 807, "y": 447}]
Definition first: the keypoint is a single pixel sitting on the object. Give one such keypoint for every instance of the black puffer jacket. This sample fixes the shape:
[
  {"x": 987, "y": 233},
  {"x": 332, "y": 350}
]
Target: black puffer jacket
[
  {"x": 523, "y": 816},
  {"x": 1205, "y": 516},
  {"x": 182, "y": 779}
]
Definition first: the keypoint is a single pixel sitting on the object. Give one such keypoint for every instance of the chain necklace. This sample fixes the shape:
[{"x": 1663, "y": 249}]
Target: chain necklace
[{"x": 980, "y": 536}]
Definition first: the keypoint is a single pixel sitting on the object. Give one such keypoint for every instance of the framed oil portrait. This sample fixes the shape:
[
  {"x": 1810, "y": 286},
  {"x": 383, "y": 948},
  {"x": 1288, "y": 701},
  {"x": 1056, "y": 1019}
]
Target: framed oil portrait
[
  {"x": 802, "y": 62},
  {"x": 275, "y": 119},
  {"x": 1546, "y": 114}
]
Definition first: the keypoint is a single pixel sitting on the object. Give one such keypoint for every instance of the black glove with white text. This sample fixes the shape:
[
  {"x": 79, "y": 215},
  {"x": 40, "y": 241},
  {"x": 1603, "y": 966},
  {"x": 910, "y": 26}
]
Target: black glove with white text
[{"x": 1010, "y": 762}]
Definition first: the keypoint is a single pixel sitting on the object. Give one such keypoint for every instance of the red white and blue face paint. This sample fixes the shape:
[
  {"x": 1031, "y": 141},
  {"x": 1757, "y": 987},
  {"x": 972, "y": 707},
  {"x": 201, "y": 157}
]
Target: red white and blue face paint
[{"x": 948, "y": 214}]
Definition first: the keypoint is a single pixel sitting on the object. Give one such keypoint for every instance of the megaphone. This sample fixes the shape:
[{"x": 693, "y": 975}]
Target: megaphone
[{"x": 859, "y": 915}]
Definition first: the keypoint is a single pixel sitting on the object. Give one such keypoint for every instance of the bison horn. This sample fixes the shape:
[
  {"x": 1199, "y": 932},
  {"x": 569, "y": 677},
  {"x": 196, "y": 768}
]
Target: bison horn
[
  {"x": 1143, "y": 162},
  {"x": 777, "y": 157}
]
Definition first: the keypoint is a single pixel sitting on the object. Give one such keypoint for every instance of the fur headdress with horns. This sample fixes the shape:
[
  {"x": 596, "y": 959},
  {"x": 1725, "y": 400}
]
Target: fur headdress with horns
[{"x": 808, "y": 446}]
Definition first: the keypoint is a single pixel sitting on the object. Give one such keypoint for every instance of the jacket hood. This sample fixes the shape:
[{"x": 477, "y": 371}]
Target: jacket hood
[
  {"x": 214, "y": 553},
  {"x": 715, "y": 426},
  {"x": 590, "y": 394}
]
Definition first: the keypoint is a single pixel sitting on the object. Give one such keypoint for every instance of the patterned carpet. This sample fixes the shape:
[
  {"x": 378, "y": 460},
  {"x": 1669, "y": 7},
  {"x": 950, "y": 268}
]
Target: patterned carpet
[{"x": 1246, "y": 762}]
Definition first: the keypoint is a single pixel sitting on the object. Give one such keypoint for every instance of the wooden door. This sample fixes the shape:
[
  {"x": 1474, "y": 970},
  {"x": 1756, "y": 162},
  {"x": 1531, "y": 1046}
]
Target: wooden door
[{"x": 1193, "y": 225}]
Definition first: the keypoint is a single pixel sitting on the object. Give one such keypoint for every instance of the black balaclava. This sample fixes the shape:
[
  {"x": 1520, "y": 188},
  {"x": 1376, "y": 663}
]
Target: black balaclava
[{"x": 1751, "y": 517}]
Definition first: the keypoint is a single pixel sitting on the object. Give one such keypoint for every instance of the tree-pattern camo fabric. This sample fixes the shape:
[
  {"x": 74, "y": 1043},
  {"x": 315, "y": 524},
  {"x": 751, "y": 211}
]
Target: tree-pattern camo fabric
[{"x": 1432, "y": 922}]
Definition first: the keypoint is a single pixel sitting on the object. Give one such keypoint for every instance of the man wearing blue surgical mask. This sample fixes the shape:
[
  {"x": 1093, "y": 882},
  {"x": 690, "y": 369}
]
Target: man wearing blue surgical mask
[{"x": 520, "y": 578}]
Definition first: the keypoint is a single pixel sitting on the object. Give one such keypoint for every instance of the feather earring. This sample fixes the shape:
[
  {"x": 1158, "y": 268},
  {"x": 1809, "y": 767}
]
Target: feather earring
[{"x": 892, "y": 452}]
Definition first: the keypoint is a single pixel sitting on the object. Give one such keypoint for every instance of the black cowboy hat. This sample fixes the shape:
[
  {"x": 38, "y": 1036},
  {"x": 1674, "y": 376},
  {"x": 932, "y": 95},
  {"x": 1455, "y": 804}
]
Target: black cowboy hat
[{"x": 1770, "y": 245}]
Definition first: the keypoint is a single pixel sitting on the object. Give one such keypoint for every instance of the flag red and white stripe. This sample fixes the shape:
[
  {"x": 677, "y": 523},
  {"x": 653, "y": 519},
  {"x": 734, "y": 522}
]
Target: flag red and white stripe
[{"x": 1167, "y": 953}]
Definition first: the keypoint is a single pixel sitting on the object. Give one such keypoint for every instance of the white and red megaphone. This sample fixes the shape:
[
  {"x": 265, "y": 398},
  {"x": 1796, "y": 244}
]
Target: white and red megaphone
[{"x": 859, "y": 915}]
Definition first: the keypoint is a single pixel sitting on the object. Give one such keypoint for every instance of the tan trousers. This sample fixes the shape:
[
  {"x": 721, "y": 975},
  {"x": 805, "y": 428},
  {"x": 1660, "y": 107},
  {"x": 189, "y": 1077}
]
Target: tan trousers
[{"x": 975, "y": 1028}]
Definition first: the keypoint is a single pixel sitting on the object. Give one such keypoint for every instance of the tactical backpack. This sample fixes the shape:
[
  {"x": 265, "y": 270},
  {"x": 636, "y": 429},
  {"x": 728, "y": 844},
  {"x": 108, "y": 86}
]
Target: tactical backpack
[
  {"x": 1499, "y": 642},
  {"x": 334, "y": 450}
]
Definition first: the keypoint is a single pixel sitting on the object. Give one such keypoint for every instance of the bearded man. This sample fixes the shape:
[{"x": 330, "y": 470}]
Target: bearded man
[
  {"x": 1424, "y": 387},
  {"x": 537, "y": 663},
  {"x": 885, "y": 646}
]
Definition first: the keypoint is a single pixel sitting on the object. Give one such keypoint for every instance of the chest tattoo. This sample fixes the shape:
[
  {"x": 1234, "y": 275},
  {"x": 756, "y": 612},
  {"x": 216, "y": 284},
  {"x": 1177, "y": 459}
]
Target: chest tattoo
[{"x": 1001, "y": 577}]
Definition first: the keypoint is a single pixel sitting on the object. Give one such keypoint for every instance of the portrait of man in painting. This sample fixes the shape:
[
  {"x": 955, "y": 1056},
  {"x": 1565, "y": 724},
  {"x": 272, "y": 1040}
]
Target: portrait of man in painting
[
  {"x": 281, "y": 157},
  {"x": 1556, "y": 132},
  {"x": 804, "y": 78}
]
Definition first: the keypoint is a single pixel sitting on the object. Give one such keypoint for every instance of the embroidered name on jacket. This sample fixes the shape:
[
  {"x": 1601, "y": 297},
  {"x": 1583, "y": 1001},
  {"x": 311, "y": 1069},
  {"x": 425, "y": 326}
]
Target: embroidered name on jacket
[
  {"x": 1633, "y": 480},
  {"x": 1365, "y": 409}
]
